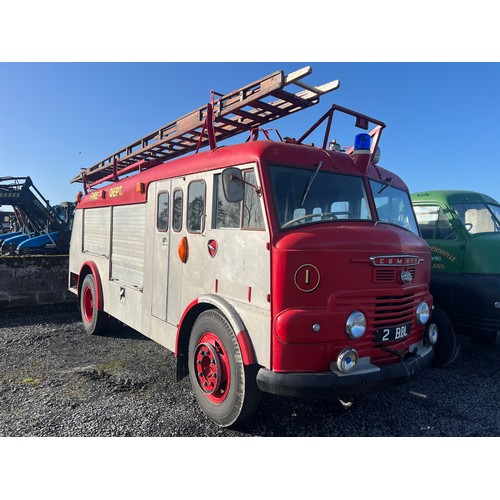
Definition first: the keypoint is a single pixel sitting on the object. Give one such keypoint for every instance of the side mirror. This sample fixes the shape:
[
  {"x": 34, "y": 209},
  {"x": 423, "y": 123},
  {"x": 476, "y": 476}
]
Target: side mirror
[{"x": 233, "y": 185}]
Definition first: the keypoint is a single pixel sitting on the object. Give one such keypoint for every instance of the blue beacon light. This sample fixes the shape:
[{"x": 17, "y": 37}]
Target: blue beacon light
[{"x": 362, "y": 144}]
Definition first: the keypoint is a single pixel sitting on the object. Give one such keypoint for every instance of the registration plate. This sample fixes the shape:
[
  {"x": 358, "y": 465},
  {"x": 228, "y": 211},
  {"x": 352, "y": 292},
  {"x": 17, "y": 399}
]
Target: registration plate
[{"x": 392, "y": 333}]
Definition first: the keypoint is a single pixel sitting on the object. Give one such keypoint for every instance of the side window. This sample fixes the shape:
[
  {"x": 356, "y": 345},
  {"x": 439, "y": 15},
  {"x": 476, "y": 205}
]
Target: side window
[
  {"x": 196, "y": 206},
  {"x": 433, "y": 223},
  {"x": 252, "y": 212},
  {"x": 226, "y": 214},
  {"x": 476, "y": 217},
  {"x": 177, "y": 211},
  {"x": 162, "y": 212}
]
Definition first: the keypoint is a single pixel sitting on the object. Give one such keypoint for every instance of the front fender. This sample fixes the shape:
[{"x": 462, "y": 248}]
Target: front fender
[
  {"x": 246, "y": 347},
  {"x": 91, "y": 267}
]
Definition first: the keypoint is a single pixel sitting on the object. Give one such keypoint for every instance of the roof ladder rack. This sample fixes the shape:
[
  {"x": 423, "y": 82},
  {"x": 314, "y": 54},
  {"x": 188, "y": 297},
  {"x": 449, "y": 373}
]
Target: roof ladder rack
[{"x": 239, "y": 111}]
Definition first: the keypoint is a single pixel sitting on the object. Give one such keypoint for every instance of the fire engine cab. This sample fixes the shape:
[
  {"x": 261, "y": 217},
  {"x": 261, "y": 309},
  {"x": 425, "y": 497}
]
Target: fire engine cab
[{"x": 270, "y": 265}]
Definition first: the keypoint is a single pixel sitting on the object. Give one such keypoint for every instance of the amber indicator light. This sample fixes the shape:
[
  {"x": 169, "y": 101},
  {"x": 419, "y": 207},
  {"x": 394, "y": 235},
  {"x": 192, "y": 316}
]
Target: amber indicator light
[{"x": 183, "y": 250}]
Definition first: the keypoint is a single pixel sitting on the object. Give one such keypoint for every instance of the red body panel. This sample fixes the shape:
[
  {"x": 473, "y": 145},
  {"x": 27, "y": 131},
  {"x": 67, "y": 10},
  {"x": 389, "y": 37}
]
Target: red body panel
[{"x": 347, "y": 282}]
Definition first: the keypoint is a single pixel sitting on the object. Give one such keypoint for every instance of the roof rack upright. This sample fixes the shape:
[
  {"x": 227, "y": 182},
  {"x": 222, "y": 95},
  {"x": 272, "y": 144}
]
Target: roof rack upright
[{"x": 239, "y": 111}]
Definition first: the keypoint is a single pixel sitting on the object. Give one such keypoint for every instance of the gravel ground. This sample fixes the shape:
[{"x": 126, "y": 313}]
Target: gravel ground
[{"x": 57, "y": 381}]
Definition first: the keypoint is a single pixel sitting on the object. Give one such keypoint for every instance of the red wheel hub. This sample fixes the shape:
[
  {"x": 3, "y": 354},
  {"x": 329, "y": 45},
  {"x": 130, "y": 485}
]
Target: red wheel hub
[
  {"x": 212, "y": 367},
  {"x": 88, "y": 304}
]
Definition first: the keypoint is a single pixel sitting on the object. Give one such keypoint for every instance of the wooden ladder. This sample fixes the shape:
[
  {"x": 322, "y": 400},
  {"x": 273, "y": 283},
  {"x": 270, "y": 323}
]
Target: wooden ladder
[{"x": 240, "y": 111}]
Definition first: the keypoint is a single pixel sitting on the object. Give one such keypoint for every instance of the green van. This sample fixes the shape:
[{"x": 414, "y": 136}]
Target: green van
[{"x": 463, "y": 230}]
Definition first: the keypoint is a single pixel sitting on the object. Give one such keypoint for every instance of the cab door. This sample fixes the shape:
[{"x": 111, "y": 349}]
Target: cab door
[{"x": 446, "y": 243}]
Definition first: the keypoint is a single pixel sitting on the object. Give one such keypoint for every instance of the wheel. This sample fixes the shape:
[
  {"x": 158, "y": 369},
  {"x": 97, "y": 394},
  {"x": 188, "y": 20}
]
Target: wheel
[
  {"x": 94, "y": 322},
  {"x": 225, "y": 388},
  {"x": 447, "y": 346}
]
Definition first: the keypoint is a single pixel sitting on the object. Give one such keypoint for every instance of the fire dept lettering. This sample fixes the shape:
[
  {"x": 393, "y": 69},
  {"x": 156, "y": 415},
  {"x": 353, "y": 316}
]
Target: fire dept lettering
[
  {"x": 95, "y": 195},
  {"x": 115, "y": 192}
]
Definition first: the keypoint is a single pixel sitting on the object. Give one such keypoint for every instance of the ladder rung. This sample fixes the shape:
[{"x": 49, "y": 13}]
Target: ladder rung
[
  {"x": 235, "y": 124},
  {"x": 292, "y": 98}
]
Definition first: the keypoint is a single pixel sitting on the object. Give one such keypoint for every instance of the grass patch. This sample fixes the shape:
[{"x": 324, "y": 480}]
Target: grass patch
[
  {"x": 30, "y": 381},
  {"x": 111, "y": 367}
]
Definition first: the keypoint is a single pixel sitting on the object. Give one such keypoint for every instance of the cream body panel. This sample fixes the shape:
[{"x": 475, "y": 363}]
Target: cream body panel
[{"x": 146, "y": 285}]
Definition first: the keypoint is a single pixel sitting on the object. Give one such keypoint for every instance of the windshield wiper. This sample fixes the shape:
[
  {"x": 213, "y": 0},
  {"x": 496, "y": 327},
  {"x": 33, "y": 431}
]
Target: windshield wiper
[
  {"x": 311, "y": 179},
  {"x": 385, "y": 186}
]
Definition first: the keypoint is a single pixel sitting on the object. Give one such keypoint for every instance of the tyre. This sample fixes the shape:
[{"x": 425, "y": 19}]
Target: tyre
[
  {"x": 225, "y": 388},
  {"x": 447, "y": 346},
  {"x": 94, "y": 322}
]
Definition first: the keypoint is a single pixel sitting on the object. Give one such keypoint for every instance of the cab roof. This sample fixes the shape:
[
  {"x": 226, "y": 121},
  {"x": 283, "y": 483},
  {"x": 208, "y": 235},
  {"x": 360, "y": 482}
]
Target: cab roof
[{"x": 450, "y": 197}]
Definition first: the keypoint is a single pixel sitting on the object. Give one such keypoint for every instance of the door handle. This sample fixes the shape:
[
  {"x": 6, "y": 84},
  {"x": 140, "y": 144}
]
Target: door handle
[{"x": 164, "y": 242}]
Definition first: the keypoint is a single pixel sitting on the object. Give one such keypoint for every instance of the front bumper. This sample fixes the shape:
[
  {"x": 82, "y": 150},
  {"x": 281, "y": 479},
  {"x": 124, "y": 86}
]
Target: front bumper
[{"x": 335, "y": 384}]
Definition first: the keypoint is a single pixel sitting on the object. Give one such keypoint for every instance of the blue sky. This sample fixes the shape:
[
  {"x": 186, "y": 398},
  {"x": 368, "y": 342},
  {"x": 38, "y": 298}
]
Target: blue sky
[{"x": 442, "y": 118}]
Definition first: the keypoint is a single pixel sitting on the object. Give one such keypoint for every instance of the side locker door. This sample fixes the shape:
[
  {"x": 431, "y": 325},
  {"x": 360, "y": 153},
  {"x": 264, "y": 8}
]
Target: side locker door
[{"x": 161, "y": 246}]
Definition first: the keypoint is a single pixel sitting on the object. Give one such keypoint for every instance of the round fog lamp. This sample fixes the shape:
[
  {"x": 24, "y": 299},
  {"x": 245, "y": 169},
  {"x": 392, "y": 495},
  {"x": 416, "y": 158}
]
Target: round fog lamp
[
  {"x": 432, "y": 333},
  {"x": 347, "y": 360},
  {"x": 423, "y": 313},
  {"x": 355, "y": 325}
]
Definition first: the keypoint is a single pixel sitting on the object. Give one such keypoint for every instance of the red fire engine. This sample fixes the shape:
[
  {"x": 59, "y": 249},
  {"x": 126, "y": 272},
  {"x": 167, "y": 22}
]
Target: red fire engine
[{"x": 271, "y": 265}]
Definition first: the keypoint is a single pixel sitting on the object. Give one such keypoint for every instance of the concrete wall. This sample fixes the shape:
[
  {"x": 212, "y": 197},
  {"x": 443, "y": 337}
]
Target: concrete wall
[{"x": 33, "y": 280}]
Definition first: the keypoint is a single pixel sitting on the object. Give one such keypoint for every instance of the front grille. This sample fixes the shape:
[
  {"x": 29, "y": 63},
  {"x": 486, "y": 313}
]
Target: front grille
[
  {"x": 384, "y": 275},
  {"x": 392, "y": 310},
  {"x": 391, "y": 275},
  {"x": 383, "y": 311}
]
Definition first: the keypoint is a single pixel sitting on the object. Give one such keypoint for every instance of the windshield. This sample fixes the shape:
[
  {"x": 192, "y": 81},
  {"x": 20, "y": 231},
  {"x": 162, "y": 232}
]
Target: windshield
[
  {"x": 479, "y": 217},
  {"x": 305, "y": 196},
  {"x": 394, "y": 206}
]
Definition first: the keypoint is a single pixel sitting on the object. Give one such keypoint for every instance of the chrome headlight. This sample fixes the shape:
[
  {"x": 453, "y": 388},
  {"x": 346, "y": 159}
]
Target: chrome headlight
[
  {"x": 347, "y": 360},
  {"x": 355, "y": 325},
  {"x": 423, "y": 313}
]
